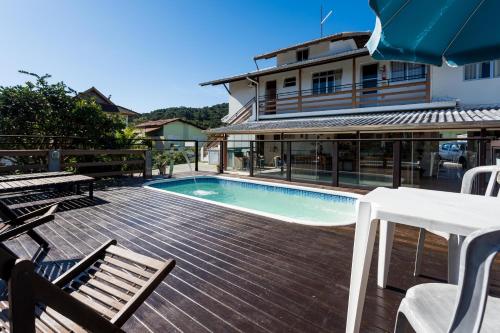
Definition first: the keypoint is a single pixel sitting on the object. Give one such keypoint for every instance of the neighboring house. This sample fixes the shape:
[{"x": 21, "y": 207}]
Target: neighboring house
[
  {"x": 108, "y": 106},
  {"x": 330, "y": 88},
  {"x": 170, "y": 129}
]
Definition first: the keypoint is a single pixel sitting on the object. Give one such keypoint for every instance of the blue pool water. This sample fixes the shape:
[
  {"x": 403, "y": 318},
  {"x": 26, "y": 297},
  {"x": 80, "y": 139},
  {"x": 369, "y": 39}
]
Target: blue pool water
[{"x": 289, "y": 204}]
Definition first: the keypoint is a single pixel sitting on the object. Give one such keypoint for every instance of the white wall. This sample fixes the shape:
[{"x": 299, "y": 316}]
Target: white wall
[
  {"x": 317, "y": 51},
  {"x": 448, "y": 82},
  {"x": 241, "y": 93}
]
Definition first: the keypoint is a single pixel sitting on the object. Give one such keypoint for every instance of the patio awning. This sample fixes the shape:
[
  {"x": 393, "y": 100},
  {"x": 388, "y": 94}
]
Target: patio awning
[
  {"x": 430, "y": 31},
  {"x": 428, "y": 119}
]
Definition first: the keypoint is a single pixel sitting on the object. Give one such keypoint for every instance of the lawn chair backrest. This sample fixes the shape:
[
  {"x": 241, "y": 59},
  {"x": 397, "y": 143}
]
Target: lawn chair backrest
[{"x": 471, "y": 175}]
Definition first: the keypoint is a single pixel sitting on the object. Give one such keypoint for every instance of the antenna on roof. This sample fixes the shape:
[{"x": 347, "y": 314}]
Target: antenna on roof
[{"x": 322, "y": 19}]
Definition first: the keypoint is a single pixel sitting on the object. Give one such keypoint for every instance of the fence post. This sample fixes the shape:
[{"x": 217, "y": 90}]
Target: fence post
[
  {"x": 148, "y": 164},
  {"x": 221, "y": 156},
  {"x": 196, "y": 155},
  {"x": 54, "y": 160},
  {"x": 396, "y": 164},
  {"x": 250, "y": 167},
  {"x": 335, "y": 163},
  {"x": 289, "y": 161}
]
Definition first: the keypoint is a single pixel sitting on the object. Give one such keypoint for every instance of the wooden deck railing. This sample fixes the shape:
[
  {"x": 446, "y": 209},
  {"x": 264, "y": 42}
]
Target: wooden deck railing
[
  {"x": 23, "y": 160},
  {"x": 92, "y": 162},
  {"x": 382, "y": 93},
  {"x": 104, "y": 162}
]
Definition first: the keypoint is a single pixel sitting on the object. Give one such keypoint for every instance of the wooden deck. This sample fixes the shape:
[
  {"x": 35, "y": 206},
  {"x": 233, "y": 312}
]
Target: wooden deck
[{"x": 236, "y": 272}]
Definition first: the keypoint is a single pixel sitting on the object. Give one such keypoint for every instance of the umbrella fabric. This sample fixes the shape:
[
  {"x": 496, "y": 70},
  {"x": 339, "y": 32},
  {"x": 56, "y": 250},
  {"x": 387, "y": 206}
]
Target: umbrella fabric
[{"x": 430, "y": 31}]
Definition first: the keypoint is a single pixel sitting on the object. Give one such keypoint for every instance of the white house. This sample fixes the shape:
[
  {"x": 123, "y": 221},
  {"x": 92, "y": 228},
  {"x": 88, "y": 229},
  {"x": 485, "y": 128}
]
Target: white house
[{"x": 330, "y": 88}]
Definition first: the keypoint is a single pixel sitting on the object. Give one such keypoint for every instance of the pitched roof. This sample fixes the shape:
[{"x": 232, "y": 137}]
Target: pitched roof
[
  {"x": 452, "y": 118},
  {"x": 107, "y": 105},
  {"x": 360, "y": 37},
  {"x": 150, "y": 125},
  {"x": 289, "y": 67}
]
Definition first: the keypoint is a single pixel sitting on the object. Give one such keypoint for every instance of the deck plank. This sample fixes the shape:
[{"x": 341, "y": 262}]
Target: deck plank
[{"x": 236, "y": 272}]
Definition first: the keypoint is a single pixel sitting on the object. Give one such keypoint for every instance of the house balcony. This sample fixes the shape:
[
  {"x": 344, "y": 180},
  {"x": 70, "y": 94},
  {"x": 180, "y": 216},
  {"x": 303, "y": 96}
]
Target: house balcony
[{"x": 370, "y": 93}]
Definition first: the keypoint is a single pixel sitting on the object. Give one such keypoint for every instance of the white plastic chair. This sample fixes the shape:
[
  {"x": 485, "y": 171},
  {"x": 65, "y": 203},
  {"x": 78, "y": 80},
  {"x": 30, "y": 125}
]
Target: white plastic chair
[
  {"x": 454, "y": 241},
  {"x": 462, "y": 308}
]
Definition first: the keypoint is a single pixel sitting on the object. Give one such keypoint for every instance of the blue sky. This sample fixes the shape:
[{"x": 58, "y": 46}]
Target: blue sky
[{"x": 153, "y": 54}]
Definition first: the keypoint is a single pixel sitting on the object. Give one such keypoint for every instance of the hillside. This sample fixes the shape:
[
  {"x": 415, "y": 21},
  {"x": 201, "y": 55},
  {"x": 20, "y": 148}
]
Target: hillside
[{"x": 206, "y": 117}]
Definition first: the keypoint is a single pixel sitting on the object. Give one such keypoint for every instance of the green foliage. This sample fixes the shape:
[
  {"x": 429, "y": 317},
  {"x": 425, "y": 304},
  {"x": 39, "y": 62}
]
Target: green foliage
[
  {"x": 44, "y": 109},
  {"x": 205, "y": 117}
]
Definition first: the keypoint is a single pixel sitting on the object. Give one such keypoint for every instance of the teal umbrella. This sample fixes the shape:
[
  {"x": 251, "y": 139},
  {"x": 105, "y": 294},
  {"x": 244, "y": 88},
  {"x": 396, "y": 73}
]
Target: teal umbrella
[{"x": 433, "y": 31}]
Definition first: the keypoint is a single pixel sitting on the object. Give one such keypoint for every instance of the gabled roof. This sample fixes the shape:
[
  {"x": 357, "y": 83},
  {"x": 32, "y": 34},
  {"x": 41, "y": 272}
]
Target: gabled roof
[
  {"x": 289, "y": 67},
  {"x": 430, "y": 119},
  {"x": 156, "y": 124},
  {"x": 360, "y": 37},
  {"x": 106, "y": 104}
]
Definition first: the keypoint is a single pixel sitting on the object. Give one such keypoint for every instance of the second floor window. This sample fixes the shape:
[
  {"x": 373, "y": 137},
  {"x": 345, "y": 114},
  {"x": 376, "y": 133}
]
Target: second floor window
[
  {"x": 482, "y": 70},
  {"x": 302, "y": 55},
  {"x": 289, "y": 82},
  {"x": 326, "y": 82},
  {"x": 402, "y": 71}
]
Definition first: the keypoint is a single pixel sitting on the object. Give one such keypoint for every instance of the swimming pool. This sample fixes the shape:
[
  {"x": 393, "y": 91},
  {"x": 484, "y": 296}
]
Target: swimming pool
[{"x": 289, "y": 203}]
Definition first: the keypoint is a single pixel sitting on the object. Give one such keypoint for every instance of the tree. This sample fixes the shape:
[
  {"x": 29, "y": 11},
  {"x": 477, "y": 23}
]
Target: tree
[
  {"x": 205, "y": 117},
  {"x": 43, "y": 109}
]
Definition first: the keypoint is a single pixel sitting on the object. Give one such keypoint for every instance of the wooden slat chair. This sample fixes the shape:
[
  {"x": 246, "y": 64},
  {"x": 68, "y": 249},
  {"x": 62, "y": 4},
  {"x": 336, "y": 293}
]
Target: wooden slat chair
[
  {"x": 13, "y": 226},
  {"x": 96, "y": 295}
]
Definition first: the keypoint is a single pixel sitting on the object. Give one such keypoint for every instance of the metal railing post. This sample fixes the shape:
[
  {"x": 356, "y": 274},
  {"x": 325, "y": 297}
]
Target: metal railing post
[
  {"x": 335, "y": 163},
  {"x": 148, "y": 164},
  {"x": 396, "y": 164},
  {"x": 289, "y": 161},
  {"x": 196, "y": 155},
  {"x": 221, "y": 156},
  {"x": 250, "y": 167},
  {"x": 54, "y": 160}
]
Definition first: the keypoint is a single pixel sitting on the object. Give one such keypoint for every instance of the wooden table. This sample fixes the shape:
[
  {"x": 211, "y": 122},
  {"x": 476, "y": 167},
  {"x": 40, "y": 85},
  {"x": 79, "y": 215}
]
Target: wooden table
[
  {"x": 34, "y": 175},
  {"x": 454, "y": 213},
  {"x": 52, "y": 182}
]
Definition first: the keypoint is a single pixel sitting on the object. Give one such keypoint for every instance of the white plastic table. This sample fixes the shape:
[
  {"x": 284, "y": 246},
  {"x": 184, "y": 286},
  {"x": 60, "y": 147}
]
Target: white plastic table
[{"x": 455, "y": 213}]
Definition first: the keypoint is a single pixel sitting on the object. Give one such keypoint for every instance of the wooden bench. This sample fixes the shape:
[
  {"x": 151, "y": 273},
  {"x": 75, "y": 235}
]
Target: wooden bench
[
  {"x": 98, "y": 294},
  {"x": 52, "y": 182},
  {"x": 35, "y": 175}
]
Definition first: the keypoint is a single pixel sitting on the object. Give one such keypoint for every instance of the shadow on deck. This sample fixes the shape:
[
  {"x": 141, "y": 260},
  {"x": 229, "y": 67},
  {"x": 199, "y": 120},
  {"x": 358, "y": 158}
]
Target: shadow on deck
[{"x": 236, "y": 272}]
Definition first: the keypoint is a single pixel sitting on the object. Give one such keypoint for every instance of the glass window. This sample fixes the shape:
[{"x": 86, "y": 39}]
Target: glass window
[
  {"x": 484, "y": 70},
  {"x": 415, "y": 71},
  {"x": 327, "y": 82},
  {"x": 401, "y": 71},
  {"x": 397, "y": 71},
  {"x": 470, "y": 72},
  {"x": 302, "y": 54},
  {"x": 496, "y": 68},
  {"x": 289, "y": 82}
]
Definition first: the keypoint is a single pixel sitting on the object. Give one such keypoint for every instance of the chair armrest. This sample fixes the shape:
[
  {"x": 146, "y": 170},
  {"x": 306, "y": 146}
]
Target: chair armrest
[
  {"x": 478, "y": 251},
  {"x": 27, "y": 288}
]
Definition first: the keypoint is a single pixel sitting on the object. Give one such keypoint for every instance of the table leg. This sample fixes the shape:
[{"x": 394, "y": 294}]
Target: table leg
[
  {"x": 386, "y": 239},
  {"x": 454, "y": 249},
  {"x": 364, "y": 240}
]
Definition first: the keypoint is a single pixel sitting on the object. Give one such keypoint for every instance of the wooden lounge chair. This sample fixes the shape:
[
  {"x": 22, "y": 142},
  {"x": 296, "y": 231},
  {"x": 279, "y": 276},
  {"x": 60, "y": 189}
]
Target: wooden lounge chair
[
  {"x": 14, "y": 225},
  {"x": 41, "y": 183},
  {"x": 96, "y": 295},
  {"x": 35, "y": 175},
  {"x": 454, "y": 240},
  {"x": 466, "y": 307}
]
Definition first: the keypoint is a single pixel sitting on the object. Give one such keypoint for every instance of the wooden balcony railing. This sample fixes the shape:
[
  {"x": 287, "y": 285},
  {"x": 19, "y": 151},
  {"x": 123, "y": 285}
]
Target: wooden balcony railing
[{"x": 367, "y": 94}]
